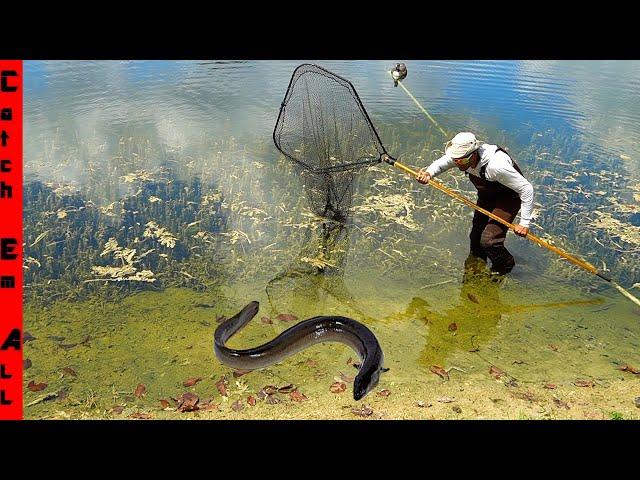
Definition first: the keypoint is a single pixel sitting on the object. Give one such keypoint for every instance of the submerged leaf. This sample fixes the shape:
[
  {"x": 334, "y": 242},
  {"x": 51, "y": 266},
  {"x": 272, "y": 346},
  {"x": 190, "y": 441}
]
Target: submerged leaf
[
  {"x": 584, "y": 383},
  {"x": 630, "y": 369},
  {"x": 140, "y": 391},
  {"x": 269, "y": 389},
  {"x": 287, "y": 388},
  {"x": 36, "y": 387},
  {"x": 70, "y": 371},
  {"x": 286, "y": 317},
  {"x": 140, "y": 416},
  {"x": 188, "y": 402},
  {"x": 446, "y": 400},
  {"x": 221, "y": 385},
  {"x": 338, "y": 387},
  {"x": 438, "y": 370},
  {"x": 272, "y": 399},
  {"x": 298, "y": 396},
  {"x": 190, "y": 382},
  {"x": 364, "y": 411}
]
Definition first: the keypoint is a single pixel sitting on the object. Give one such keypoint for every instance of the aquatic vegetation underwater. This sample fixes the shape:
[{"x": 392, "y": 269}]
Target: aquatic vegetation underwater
[{"x": 128, "y": 269}]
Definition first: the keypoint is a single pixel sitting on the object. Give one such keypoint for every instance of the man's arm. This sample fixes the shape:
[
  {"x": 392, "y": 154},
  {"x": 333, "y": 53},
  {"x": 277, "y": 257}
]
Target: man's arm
[{"x": 443, "y": 164}]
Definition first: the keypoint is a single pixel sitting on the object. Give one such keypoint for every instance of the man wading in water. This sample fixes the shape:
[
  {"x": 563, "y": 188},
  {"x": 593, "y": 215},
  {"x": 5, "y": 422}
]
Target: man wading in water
[{"x": 502, "y": 190}]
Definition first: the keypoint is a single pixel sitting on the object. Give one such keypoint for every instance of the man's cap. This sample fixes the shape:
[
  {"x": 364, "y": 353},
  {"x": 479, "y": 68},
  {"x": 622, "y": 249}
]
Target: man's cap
[{"x": 462, "y": 145}]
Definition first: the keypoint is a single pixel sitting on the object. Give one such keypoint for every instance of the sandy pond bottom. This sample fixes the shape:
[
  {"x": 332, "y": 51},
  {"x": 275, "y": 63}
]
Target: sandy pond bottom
[{"x": 509, "y": 350}]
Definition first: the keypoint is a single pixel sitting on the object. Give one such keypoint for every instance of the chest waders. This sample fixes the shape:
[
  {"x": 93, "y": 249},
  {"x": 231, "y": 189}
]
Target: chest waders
[{"x": 487, "y": 235}]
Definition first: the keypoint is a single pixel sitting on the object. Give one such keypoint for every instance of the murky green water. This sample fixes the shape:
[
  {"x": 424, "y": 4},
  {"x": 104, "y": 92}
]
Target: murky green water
[{"x": 174, "y": 161}]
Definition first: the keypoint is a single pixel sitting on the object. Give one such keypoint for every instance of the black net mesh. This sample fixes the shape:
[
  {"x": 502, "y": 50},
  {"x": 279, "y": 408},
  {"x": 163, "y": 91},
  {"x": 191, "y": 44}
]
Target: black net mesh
[{"x": 326, "y": 131}]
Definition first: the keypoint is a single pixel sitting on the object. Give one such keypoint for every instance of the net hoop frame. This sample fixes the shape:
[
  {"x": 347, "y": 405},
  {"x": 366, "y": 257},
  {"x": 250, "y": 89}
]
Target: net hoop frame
[{"x": 323, "y": 71}]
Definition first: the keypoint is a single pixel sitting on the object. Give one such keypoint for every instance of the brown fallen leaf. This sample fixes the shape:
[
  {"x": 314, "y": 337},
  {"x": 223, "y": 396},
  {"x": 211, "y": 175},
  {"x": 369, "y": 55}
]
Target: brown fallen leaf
[
  {"x": 272, "y": 399},
  {"x": 553, "y": 347},
  {"x": 453, "y": 327},
  {"x": 473, "y": 298},
  {"x": 495, "y": 372},
  {"x": 165, "y": 404},
  {"x": 286, "y": 317},
  {"x": 338, "y": 387},
  {"x": 237, "y": 405},
  {"x": 251, "y": 400},
  {"x": 26, "y": 363},
  {"x": 550, "y": 386},
  {"x": 36, "y": 387},
  {"x": 287, "y": 388},
  {"x": 70, "y": 371},
  {"x": 140, "y": 416},
  {"x": 269, "y": 389},
  {"x": 221, "y": 385},
  {"x": 190, "y": 382},
  {"x": 560, "y": 403},
  {"x": 298, "y": 396},
  {"x": 117, "y": 409},
  {"x": 457, "y": 409},
  {"x": 364, "y": 411},
  {"x": 529, "y": 396},
  {"x": 311, "y": 363},
  {"x": 438, "y": 370},
  {"x": 384, "y": 393},
  {"x": 266, "y": 320},
  {"x": 209, "y": 406},
  {"x": 630, "y": 369},
  {"x": 584, "y": 383},
  {"x": 140, "y": 391},
  {"x": 27, "y": 337},
  {"x": 239, "y": 373},
  {"x": 188, "y": 402}
]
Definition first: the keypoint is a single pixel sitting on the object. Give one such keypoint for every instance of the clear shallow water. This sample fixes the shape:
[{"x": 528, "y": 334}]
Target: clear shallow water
[{"x": 573, "y": 126}]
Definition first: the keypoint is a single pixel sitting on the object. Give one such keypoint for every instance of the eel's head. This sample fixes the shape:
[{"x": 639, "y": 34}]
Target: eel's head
[{"x": 366, "y": 380}]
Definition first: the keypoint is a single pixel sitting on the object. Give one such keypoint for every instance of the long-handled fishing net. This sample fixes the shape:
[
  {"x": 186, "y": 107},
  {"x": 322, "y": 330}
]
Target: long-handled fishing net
[{"x": 325, "y": 130}]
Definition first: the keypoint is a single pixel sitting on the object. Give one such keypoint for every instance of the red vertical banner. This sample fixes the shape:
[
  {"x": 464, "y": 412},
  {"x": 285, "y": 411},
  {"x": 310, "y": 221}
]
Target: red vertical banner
[{"x": 11, "y": 240}]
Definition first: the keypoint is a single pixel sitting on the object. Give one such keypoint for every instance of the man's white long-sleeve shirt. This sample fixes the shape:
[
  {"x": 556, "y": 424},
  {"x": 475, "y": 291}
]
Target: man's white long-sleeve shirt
[{"x": 499, "y": 169}]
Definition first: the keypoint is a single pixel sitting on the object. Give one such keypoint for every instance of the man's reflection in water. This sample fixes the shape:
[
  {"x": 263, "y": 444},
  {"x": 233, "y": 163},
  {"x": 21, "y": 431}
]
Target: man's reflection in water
[
  {"x": 467, "y": 325},
  {"x": 473, "y": 321}
]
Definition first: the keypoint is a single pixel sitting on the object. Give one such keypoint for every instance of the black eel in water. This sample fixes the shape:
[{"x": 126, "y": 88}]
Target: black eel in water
[{"x": 300, "y": 336}]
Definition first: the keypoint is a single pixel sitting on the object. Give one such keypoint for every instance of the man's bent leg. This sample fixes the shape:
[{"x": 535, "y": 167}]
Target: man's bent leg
[
  {"x": 479, "y": 223},
  {"x": 494, "y": 234}
]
